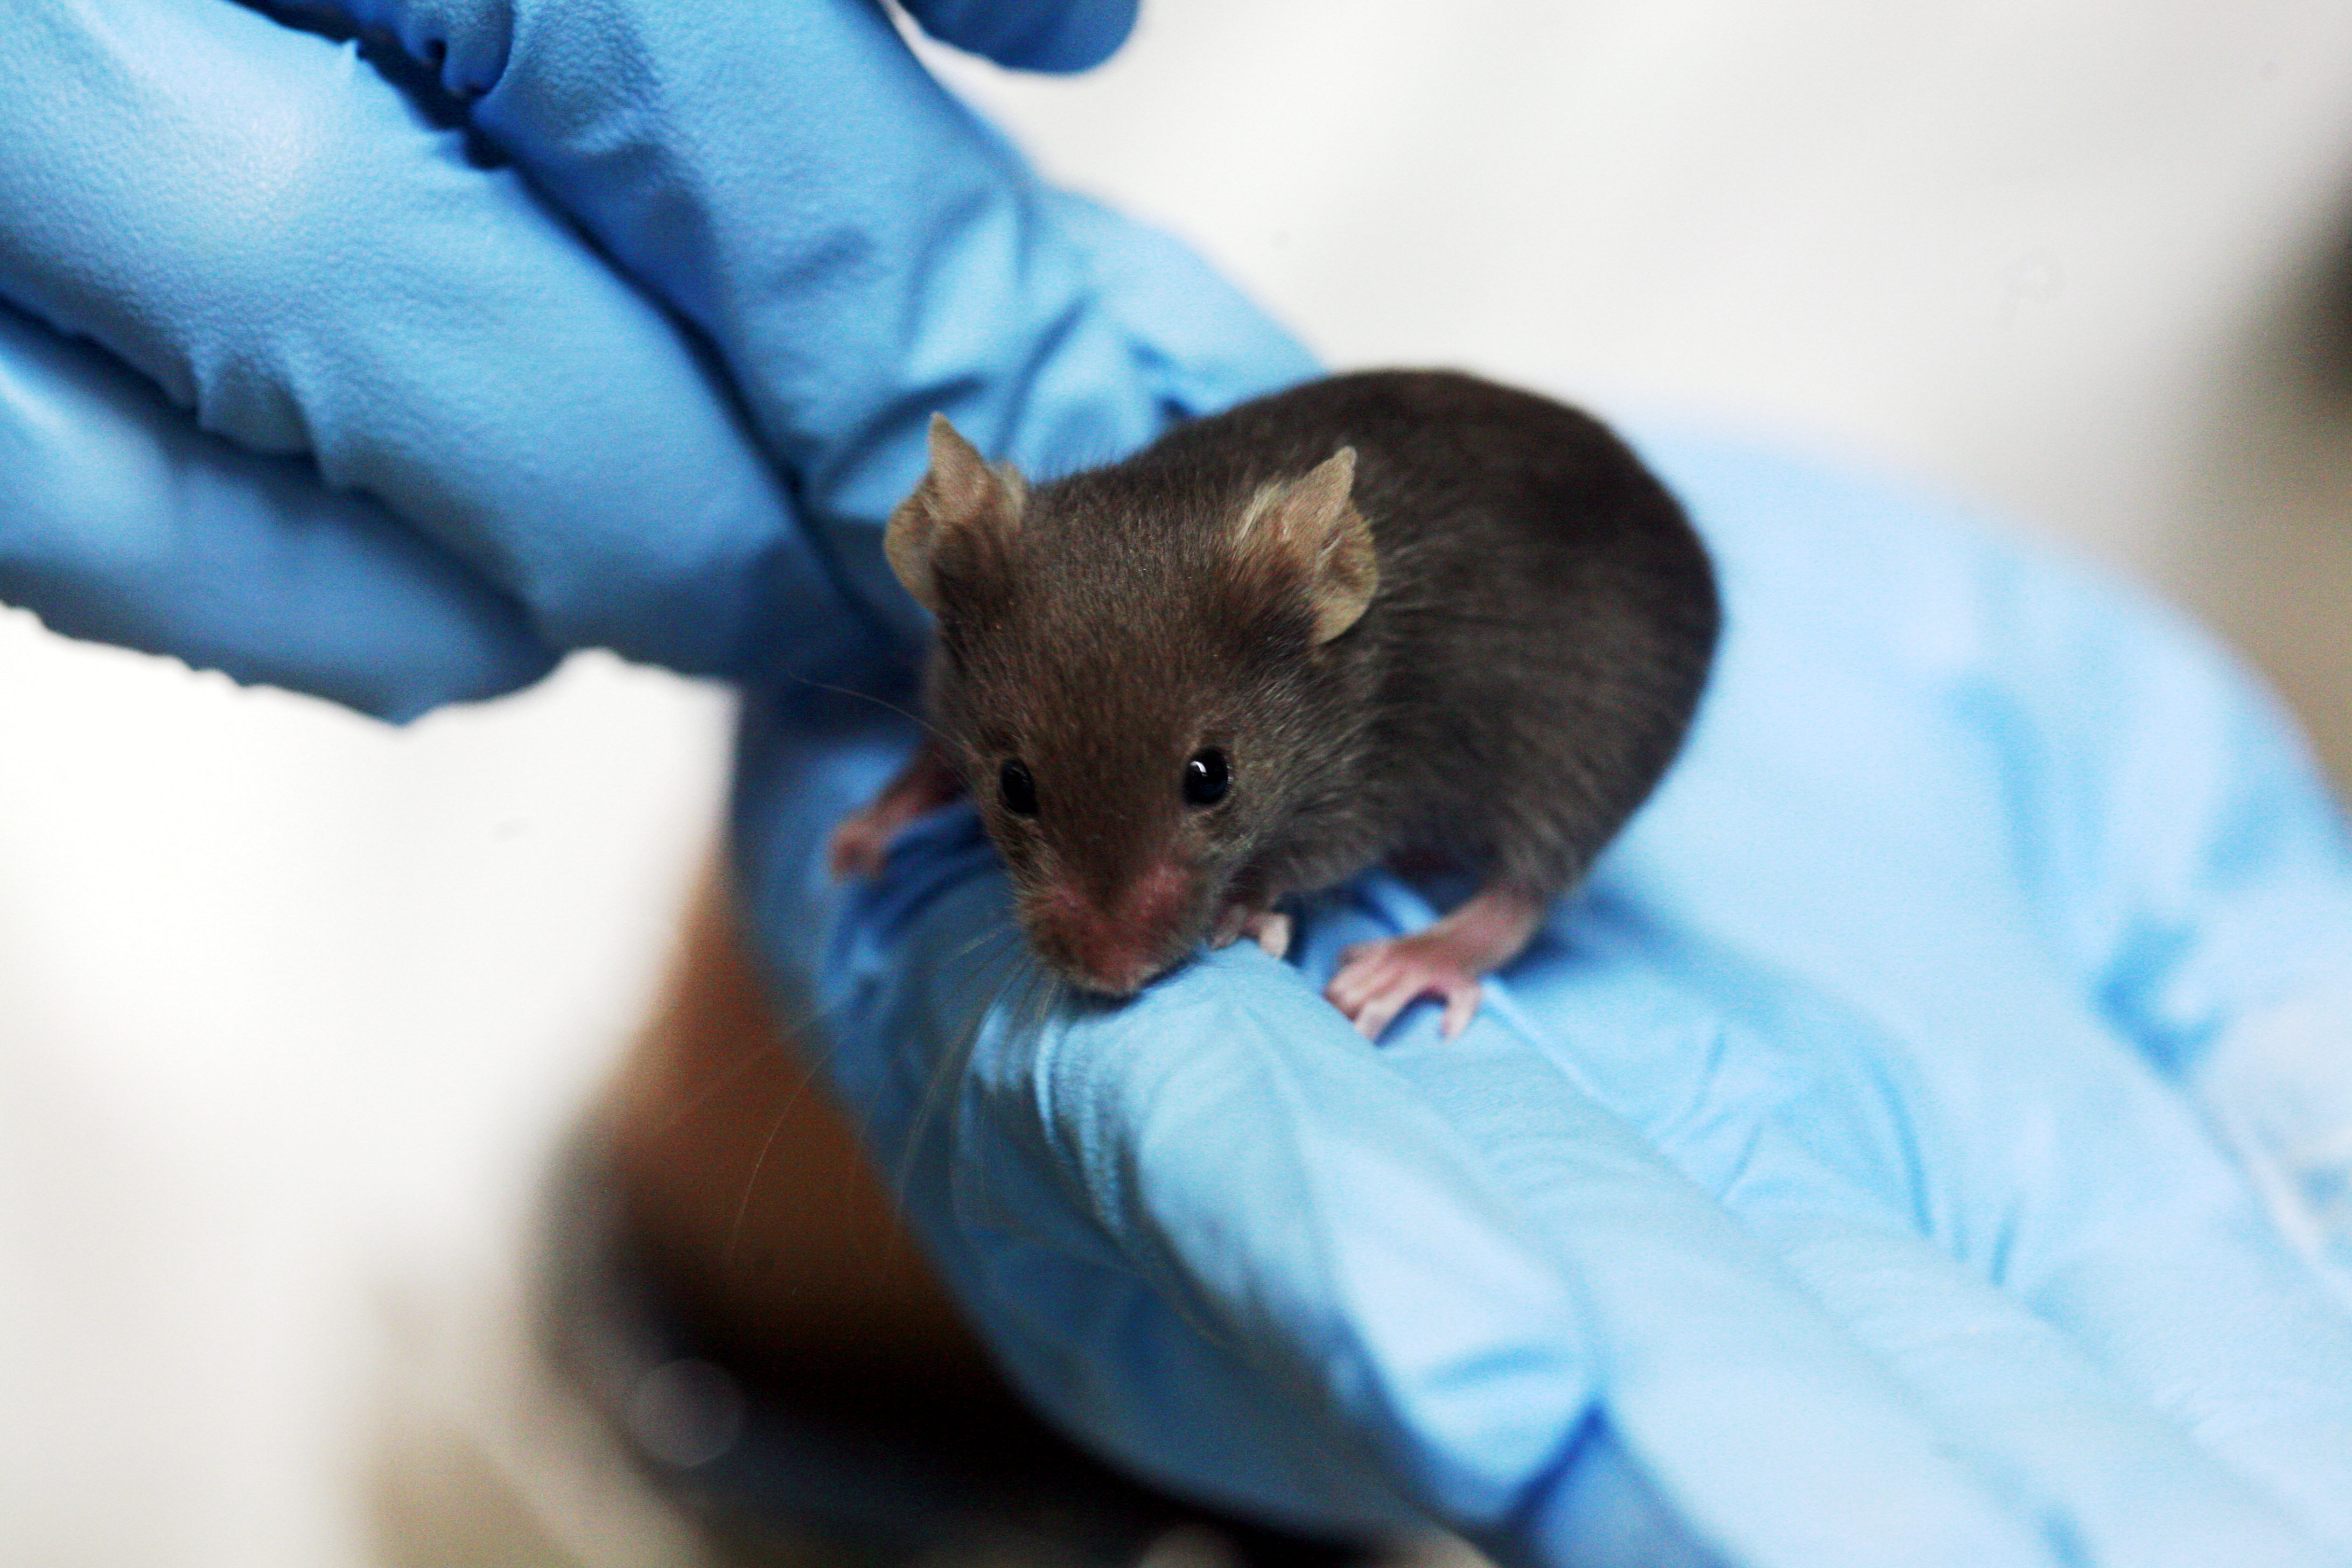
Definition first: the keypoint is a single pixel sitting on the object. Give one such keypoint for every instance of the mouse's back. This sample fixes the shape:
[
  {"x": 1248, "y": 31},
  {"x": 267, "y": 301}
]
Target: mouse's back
[{"x": 1545, "y": 620}]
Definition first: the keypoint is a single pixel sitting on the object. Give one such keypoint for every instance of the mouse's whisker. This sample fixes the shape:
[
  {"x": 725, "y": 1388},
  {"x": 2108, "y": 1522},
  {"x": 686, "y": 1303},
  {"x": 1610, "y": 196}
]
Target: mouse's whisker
[
  {"x": 788, "y": 1036},
  {"x": 798, "y": 1039},
  {"x": 1010, "y": 961},
  {"x": 940, "y": 1089},
  {"x": 882, "y": 702},
  {"x": 996, "y": 932}
]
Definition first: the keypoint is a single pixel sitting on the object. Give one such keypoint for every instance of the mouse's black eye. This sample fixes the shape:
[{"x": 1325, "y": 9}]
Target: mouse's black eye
[
  {"x": 1017, "y": 789},
  {"x": 1207, "y": 777}
]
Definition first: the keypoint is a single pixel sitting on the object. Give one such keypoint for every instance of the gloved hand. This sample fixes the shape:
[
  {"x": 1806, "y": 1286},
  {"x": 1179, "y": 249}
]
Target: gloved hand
[
  {"x": 1813, "y": 1192},
  {"x": 1820, "y": 1188},
  {"x": 315, "y": 264}
]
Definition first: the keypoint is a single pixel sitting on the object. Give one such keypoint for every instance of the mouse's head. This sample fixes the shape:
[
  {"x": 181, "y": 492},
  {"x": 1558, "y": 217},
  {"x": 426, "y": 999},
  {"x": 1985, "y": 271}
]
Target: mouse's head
[{"x": 1142, "y": 671}]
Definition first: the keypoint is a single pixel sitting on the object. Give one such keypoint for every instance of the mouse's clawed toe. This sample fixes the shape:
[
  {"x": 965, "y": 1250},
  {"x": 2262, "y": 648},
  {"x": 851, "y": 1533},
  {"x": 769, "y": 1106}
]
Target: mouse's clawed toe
[
  {"x": 1377, "y": 980},
  {"x": 1270, "y": 929}
]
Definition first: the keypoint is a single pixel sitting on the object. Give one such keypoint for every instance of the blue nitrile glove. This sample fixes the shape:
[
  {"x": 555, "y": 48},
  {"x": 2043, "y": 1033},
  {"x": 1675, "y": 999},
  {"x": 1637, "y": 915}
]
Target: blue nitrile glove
[
  {"x": 1810, "y": 1193},
  {"x": 254, "y": 221}
]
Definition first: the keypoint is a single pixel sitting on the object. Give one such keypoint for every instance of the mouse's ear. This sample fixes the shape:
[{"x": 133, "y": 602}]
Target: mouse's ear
[
  {"x": 1311, "y": 528},
  {"x": 961, "y": 494}
]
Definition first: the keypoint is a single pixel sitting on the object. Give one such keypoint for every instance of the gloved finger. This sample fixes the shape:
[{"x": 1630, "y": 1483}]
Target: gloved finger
[
  {"x": 857, "y": 247},
  {"x": 255, "y": 219},
  {"x": 1271, "y": 1180},
  {"x": 2194, "y": 864},
  {"x": 1031, "y": 35},
  {"x": 2181, "y": 854},
  {"x": 120, "y": 520},
  {"x": 2188, "y": 865},
  {"x": 2078, "y": 1429},
  {"x": 1935, "y": 1042},
  {"x": 806, "y": 758},
  {"x": 1214, "y": 1231},
  {"x": 2277, "y": 1087}
]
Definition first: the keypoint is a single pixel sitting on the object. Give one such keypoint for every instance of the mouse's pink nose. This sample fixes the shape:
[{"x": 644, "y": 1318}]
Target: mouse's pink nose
[{"x": 1116, "y": 945}]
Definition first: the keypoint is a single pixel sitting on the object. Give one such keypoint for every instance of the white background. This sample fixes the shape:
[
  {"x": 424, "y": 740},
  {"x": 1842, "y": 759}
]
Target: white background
[{"x": 291, "y": 1004}]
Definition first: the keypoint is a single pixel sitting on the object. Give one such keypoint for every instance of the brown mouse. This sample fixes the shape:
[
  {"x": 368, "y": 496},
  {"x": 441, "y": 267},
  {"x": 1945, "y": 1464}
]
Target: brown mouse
[{"x": 1393, "y": 613}]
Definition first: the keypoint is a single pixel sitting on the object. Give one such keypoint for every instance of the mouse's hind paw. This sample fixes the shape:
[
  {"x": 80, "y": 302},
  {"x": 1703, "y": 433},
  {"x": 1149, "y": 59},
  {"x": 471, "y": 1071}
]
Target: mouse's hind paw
[{"x": 1377, "y": 980}]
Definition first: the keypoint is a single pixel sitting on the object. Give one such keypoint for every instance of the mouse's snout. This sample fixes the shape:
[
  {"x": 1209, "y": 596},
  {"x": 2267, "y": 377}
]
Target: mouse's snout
[{"x": 1117, "y": 943}]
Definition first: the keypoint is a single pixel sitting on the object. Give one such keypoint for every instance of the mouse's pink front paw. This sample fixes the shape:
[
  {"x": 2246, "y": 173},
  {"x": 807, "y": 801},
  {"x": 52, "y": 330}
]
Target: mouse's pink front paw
[
  {"x": 1270, "y": 929},
  {"x": 861, "y": 844},
  {"x": 1377, "y": 980}
]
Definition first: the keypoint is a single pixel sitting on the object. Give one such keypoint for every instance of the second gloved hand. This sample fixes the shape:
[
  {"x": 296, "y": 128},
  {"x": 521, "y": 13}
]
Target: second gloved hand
[
  {"x": 237, "y": 260},
  {"x": 1815, "y": 1190}
]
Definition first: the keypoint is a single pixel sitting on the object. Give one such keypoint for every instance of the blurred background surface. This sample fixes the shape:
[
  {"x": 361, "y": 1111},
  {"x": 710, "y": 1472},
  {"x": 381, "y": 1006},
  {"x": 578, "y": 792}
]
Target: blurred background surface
[{"x": 293, "y": 1006}]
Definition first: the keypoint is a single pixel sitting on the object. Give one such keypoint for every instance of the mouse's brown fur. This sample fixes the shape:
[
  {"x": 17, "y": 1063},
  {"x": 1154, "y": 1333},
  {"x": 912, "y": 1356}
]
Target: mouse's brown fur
[{"x": 1414, "y": 611}]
